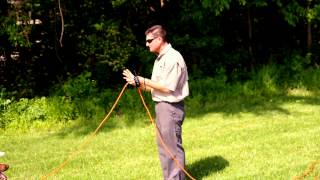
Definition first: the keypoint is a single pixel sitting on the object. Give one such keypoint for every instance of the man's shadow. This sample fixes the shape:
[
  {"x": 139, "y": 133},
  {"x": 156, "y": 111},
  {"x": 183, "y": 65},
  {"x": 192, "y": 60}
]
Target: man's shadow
[{"x": 204, "y": 167}]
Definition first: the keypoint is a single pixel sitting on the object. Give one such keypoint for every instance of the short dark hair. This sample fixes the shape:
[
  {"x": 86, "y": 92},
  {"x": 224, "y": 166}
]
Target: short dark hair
[{"x": 157, "y": 31}]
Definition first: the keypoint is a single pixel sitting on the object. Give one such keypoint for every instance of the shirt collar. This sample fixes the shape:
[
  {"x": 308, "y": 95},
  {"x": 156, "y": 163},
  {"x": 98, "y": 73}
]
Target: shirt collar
[{"x": 164, "y": 51}]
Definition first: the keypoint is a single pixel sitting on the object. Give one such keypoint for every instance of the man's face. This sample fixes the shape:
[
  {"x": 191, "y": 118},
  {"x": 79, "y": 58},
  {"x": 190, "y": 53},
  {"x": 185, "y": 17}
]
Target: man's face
[{"x": 153, "y": 43}]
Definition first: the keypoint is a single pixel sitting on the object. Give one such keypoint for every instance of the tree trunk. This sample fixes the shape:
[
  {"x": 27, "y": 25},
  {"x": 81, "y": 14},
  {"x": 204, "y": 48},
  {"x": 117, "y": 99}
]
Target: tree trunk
[
  {"x": 250, "y": 48},
  {"x": 309, "y": 31},
  {"x": 309, "y": 36}
]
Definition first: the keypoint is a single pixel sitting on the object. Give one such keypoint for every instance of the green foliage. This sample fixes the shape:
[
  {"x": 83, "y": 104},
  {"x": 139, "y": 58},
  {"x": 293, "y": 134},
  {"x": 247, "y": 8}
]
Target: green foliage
[
  {"x": 77, "y": 87},
  {"x": 205, "y": 87},
  {"x": 221, "y": 6},
  {"x": 295, "y": 65},
  {"x": 310, "y": 79},
  {"x": 4, "y": 103},
  {"x": 235, "y": 48},
  {"x": 201, "y": 42},
  {"x": 108, "y": 44},
  {"x": 131, "y": 105},
  {"x": 296, "y": 11},
  {"x": 22, "y": 114},
  {"x": 204, "y": 92},
  {"x": 267, "y": 83},
  {"x": 216, "y": 6},
  {"x": 17, "y": 36},
  {"x": 17, "y": 30},
  {"x": 264, "y": 83},
  {"x": 142, "y": 61},
  {"x": 78, "y": 99},
  {"x": 105, "y": 36},
  {"x": 293, "y": 12},
  {"x": 256, "y": 3},
  {"x": 116, "y": 3},
  {"x": 61, "y": 108}
]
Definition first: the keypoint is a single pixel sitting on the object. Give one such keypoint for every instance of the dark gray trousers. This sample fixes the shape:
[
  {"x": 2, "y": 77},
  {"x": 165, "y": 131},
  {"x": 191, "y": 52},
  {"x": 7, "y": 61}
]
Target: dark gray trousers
[{"x": 170, "y": 117}]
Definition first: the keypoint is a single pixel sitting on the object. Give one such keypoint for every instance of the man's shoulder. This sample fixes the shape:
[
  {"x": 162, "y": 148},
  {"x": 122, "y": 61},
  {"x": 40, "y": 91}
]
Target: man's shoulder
[
  {"x": 174, "y": 57},
  {"x": 174, "y": 51},
  {"x": 173, "y": 54}
]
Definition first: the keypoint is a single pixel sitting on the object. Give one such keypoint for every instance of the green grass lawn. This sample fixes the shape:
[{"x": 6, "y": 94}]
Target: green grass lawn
[{"x": 270, "y": 138}]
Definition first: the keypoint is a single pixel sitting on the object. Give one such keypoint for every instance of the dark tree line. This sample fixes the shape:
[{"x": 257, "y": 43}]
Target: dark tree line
[{"x": 43, "y": 42}]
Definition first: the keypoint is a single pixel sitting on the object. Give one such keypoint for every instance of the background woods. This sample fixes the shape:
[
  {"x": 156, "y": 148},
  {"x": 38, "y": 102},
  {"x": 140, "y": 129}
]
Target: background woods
[
  {"x": 67, "y": 56},
  {"x": 45, "y": 42},
  {"x": 254, "y": 80}
]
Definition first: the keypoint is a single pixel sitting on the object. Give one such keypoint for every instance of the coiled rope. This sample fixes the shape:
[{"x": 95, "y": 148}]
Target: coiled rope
[{"x": 90, "y": 138}]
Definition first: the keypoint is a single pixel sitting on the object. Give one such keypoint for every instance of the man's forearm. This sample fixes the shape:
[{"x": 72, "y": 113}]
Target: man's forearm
[{"x": 149, "y": 85}]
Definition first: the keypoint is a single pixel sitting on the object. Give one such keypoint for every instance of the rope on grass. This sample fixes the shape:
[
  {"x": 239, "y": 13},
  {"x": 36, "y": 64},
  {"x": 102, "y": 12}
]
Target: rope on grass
[
  {"x": 161, "y": 139},
  {"x": 87, "y": 140},
  {"x": 90, "y": 138},
  {"x": 308, "y": 171}
]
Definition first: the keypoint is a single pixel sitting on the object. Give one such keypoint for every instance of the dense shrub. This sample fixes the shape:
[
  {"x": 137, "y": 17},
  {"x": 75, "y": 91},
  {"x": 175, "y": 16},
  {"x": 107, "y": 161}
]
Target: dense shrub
[{"x": 79, "y": 99}]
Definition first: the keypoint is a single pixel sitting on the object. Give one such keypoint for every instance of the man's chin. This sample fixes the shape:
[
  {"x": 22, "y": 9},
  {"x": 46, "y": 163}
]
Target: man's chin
[{"x": 153, "y": 51}]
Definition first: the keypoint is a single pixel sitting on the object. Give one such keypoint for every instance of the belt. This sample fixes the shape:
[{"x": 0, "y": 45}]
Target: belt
[{"x": 180, "y": 102}]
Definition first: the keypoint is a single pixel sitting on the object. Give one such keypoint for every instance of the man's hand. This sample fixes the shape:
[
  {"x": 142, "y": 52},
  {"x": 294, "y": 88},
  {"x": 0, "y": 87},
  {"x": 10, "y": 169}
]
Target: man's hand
[{"x": 129, "y": 77}]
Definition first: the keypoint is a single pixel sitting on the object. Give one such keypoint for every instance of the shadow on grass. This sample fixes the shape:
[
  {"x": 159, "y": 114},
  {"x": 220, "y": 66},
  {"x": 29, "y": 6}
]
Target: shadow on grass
[
  {"x": 255, "y": 105},
  {"x": 123, "y": 117},
  {"x": 127, "y": 113},
  {"x": 130, "y": 111},
  {"x": 206, "y": 166},
  {"x": 86, "y": 127}
]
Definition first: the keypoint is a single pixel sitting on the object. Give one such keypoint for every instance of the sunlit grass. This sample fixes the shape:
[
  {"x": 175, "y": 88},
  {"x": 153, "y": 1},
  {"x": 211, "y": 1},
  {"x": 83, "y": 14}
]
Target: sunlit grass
[{"x": 271, "y": 138}]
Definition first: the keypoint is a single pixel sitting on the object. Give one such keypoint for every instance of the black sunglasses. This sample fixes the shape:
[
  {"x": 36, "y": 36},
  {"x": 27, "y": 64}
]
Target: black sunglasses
[{"x": 150, "y": 40}]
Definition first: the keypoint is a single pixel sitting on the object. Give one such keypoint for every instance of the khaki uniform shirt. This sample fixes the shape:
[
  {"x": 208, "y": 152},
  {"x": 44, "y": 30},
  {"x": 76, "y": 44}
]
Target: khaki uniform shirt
[{"x": 170, "y": 71}]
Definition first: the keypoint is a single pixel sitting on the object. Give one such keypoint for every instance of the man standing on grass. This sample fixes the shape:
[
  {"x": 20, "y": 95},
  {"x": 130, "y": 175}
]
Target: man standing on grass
[{"x": 169, "y": 87}]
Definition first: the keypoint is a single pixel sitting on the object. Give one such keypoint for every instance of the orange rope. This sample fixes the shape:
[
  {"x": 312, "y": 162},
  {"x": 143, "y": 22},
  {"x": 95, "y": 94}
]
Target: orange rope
[
  {"x": 308, "y": 171},
  {"x": 83, "y": 145},
  {"x": 90, "y": 138},
  {"x": 161, "y": 139}
]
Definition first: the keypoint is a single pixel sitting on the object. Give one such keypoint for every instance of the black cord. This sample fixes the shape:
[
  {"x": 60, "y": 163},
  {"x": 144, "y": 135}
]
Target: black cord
[{"x": 135, "y": 78}]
